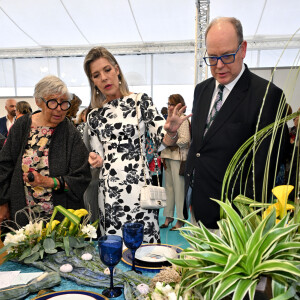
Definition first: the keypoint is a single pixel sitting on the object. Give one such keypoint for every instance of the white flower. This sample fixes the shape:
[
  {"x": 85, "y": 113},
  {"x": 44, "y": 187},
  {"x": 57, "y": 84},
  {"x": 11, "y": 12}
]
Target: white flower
[
  {"x": 159, "y": 286},
  {"x": 33, "y": 228},
  {"x": 167, "y": 289},
  {"x": 86, "y": 256},
  {"x": 172, "y": 296},
  {"x": 90, "y": 231},
  {"x": 143, "y": 288},
  {"x": 16, "y": 238},
  {"x": 67, "y": 268}
]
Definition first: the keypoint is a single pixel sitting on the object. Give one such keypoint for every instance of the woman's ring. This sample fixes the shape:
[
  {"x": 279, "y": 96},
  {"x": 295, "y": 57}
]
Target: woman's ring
[{"x": 30, "y": 177}]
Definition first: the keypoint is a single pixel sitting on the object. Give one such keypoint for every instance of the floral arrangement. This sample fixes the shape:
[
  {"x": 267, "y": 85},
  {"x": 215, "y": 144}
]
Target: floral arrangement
[{"x": 31, "y": 242}]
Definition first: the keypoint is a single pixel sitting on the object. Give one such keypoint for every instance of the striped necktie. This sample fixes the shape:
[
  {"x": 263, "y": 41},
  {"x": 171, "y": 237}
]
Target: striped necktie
[{"x": 216, "y": 107}]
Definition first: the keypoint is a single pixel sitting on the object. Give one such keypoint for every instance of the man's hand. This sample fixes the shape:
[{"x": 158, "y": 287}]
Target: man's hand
[{"x": 95, "y": 160}]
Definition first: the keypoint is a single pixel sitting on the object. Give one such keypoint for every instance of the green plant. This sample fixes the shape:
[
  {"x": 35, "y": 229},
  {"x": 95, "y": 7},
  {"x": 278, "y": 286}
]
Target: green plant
[{"x": 215, "y": 267}]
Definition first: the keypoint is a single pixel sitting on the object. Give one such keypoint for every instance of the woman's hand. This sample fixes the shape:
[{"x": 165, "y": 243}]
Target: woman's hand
[
  {"x": 174, "y": 120},
  {"x": 38, "y": 179},
  {"x": 4, "y": 212},
  {"x": 95, "y": 160}
]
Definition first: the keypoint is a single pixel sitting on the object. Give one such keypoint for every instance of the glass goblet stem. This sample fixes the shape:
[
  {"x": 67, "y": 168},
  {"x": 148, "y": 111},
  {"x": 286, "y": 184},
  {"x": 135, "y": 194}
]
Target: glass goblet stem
[
  {"x": 133, "y": 262},
  {"x": 111, "y": 273}
]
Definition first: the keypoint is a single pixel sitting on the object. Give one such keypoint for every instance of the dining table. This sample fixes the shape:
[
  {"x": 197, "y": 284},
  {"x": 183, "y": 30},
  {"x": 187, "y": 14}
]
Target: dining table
[{"x": 66, "y": 284}]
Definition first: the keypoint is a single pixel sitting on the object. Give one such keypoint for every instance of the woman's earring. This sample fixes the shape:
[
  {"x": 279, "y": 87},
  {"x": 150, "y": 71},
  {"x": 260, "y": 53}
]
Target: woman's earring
[
  {"x": 120, "y": 82},
  {"x": 97, "y": 90}
]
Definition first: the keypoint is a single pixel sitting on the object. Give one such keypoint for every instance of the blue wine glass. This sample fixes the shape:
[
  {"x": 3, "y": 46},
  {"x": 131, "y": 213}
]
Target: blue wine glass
[
  {"x": 110, "y": 250},
  {"x": 133, "y": 234}
]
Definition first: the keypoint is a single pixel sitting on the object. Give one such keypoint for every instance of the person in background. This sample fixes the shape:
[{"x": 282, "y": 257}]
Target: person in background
[
  {"x": 44, "y": 161},
  {"x": 115, "y": 131},
  {"x": 9, "y": 119},
  {"x": 172, "y": 157},
  {"x": 75, "y": 104},
  {"x": 226, "y": 111},
  {"x": 81, "y": 120},
  {"x": 164, "y": 112},
  {"x": 22, "y": 108}
]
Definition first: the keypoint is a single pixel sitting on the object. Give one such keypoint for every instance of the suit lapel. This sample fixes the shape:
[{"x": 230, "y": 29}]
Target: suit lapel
[
  {"x": 204, "y": 100},
  {"x": 235, "y": 98}
]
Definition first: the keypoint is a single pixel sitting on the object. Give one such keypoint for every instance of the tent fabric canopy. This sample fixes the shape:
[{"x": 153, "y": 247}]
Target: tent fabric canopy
[{"x": 69, "y": 23}]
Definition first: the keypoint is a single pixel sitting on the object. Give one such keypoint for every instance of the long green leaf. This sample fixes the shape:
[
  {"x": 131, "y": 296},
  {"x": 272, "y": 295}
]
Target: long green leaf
[
  {"x": 221, "y": 248},
  {"x": 236, "y": 220},
  {"x": 278, "y": 287},
  {"x": 242, "y": 288},
  {"x": 273, "y": 236},
  {"x": 289, "y": 294},
  {"x": 285, "y": 246},
  {"x": 224, "y": 285},
  {"x": 276, "y": 265},
  {"x": 210, "y": 256}
]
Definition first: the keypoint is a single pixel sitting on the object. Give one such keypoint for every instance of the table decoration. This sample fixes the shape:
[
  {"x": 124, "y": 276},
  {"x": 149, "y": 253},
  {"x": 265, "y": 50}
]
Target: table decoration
[
  {"x": 110, "y": 251},
  {"x": 133, "y": 234},
  {"x": 20, "y": 291},
  {"x": 152, "y": 266},
  {"x": 51, "y": 245}
]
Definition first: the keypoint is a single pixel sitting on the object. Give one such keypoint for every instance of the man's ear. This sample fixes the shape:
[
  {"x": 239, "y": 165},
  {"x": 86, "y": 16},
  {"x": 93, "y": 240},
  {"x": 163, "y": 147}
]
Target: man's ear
[{"x": 244, "y": 49}]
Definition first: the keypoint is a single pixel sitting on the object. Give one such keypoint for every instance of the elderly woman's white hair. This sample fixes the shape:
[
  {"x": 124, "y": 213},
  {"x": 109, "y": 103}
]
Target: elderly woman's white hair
[{"x": 50, "y": 85}]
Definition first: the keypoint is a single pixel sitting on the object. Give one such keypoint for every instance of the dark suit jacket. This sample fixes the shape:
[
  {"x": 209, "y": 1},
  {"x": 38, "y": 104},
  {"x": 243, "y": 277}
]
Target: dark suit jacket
[
  {"x": 209, "y": 157},
  {"x": 3, "y": 128}
]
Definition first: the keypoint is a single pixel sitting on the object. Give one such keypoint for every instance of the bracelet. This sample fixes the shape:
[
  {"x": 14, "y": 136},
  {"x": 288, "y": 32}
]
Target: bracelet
[
  {"x": 55, "y": 183},
  {"x": 173, "y": 137},
  {"x": 61, "y": 184}
]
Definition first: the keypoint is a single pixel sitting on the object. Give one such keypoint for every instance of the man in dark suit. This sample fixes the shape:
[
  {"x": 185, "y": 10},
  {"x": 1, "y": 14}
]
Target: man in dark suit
[
  {"x": 7, "y": 121},
  {"x": 217, "y": 137}
]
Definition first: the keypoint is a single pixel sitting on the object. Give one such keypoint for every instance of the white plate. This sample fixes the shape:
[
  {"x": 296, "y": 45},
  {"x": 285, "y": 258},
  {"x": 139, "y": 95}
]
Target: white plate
[
  {"x": 155, "y": 253},
  {"x": 73, "y": 297}
]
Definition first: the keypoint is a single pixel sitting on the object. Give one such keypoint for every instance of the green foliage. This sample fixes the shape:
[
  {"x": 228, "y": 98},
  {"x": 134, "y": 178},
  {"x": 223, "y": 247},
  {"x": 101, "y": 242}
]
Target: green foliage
[{"x": 248, "y": 248}]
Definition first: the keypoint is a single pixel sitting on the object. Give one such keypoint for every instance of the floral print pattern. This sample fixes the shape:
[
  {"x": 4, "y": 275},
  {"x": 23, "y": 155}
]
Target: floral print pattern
[
  {"x": 114, "y": 136},
  {"x": 35, "y": 158}
]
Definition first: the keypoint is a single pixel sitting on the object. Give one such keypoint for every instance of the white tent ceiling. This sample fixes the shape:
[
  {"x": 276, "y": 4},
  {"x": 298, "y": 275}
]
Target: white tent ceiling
[{"x": 34, "y": 24}]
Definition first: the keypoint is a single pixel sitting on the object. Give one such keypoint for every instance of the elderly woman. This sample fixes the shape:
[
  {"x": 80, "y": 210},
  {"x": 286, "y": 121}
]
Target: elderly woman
[
  {"x": 44, "y": 162},
  {"x": 114, "y": 137}
]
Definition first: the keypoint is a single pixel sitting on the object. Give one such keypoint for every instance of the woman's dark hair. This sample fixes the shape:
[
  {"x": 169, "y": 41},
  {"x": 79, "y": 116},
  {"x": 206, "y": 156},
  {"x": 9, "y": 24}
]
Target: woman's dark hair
[
  {"x": 176, "y": 99},
  {"x": 75, "y": 104},
  {"x": 23, "y": 107}
]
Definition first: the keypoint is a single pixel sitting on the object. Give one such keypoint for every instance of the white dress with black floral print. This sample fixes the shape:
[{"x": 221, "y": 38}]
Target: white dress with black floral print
[{"x": 114, "y": 135}]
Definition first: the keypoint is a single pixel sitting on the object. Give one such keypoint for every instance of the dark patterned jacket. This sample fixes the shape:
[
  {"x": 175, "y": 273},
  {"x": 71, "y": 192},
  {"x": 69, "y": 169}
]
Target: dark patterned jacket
[{"x": 68, "y": 157}]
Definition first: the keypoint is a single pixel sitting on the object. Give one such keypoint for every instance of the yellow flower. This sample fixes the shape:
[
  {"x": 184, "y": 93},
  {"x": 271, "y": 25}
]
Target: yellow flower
[
  {"x": 54, "y": 224},
  {"x": 281, "y": 192}
]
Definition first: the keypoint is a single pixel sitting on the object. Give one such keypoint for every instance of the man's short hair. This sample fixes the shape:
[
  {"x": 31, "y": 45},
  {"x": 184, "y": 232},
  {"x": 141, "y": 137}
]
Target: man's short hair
[{"x": 235, "y": 22}]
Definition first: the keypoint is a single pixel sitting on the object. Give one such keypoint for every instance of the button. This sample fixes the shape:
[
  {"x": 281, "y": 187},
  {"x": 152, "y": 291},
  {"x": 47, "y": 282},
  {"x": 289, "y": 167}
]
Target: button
[{"x": 198, "y": 155}]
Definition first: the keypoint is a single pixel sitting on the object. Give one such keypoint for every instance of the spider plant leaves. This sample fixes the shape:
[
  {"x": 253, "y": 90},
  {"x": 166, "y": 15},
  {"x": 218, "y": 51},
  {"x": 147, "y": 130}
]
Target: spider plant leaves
[
  {"x": 228, "y": 283},
  {"x": 285, "y": 246},
  {"x": 236, "y": 220},
  {"x": 277, "y": 266},
  {"x": 242, "y": 288}
]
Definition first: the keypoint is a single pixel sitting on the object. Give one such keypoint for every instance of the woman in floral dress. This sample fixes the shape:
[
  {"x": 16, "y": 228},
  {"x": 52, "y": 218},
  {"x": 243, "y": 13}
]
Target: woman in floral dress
[{"x": 114, "y": 139}]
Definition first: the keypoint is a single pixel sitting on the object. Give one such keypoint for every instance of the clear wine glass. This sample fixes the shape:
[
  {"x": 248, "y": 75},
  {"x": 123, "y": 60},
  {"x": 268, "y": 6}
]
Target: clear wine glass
[
  {"x": 110, "y": 250},
  {"x": 133, "y": 234}
]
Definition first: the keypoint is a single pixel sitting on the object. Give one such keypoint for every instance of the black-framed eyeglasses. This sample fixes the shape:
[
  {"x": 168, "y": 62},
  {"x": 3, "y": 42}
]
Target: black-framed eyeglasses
[
  {"x": 53, "y": 103},
  {"x": 226, "y": 58},
  {"x": 171, "y": 104}
]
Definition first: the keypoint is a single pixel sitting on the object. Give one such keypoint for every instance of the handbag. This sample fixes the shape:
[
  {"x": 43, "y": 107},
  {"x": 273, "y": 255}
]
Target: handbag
[
  {"x": 151, "y": 197},
  {"x": 182, "y": 167}
]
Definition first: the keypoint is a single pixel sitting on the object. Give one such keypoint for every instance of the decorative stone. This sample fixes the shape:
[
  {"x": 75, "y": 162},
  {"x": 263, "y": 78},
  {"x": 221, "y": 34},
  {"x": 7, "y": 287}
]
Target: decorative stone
[
  {"x": 67, "y": 268},
  {"x": 86, "y": 256}
]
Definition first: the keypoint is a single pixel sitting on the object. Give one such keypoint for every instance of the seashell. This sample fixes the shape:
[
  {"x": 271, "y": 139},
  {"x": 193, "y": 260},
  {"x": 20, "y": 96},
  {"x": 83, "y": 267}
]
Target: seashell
[
  {"x": 86, "y": 256},
  {"x": 143, "y": 288},
  {"x": 67, "y": 268}
]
